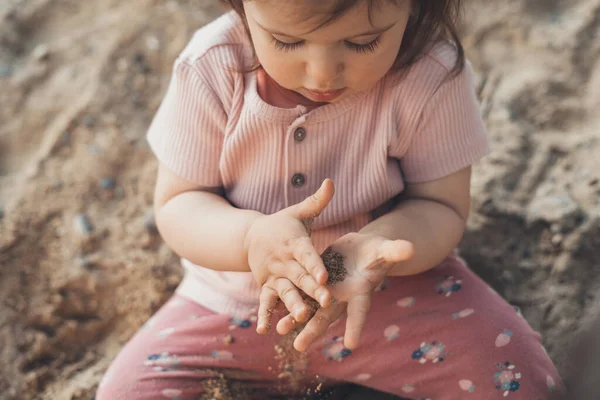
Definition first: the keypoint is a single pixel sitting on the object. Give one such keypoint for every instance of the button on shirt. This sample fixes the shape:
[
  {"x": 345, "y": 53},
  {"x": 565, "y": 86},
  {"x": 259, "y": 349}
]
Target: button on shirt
[
  {"x": 299, "y": 134},
  {"x": 298, "y": 180}
]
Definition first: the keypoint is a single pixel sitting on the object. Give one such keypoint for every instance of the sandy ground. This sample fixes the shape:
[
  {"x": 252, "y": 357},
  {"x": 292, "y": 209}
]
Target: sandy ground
[{"x": 81, "y": 265}]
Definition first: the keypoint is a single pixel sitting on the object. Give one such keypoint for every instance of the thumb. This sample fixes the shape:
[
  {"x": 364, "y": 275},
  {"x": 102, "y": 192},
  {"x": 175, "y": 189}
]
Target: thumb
[
  {"x": 313, "y": 205},
  {"x": 393, "y": 251}
]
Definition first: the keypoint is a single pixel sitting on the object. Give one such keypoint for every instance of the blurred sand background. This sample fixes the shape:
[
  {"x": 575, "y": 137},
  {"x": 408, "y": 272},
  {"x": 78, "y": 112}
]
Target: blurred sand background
[{"x": 81, "y": 265}]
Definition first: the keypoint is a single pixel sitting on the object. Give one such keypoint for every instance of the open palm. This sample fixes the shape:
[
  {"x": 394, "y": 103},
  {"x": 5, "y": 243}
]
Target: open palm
[{"x": 367, "y": 259}]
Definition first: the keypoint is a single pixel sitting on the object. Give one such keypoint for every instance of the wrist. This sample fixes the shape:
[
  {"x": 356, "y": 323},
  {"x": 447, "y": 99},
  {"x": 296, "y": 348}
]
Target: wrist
[
  {"x": 253, "y": 217},
  {"x": 374, "y": 233}
]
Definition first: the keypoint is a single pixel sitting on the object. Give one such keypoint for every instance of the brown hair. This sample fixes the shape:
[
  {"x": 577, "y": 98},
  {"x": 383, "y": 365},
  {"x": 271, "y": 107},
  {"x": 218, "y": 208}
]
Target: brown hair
[{"x": 430, "y": 21}]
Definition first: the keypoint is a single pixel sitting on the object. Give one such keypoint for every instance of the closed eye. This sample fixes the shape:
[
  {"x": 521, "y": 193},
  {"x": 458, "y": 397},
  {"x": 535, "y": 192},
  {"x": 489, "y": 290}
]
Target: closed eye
[
  {"x": 363, "y": 48},
  {"x": 359, "y": 48},
  {"x": 284, "y": 46}
]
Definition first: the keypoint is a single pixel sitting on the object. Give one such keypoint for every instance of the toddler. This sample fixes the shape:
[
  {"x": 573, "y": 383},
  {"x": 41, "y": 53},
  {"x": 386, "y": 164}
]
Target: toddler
[{"x": 345, "y": 129}]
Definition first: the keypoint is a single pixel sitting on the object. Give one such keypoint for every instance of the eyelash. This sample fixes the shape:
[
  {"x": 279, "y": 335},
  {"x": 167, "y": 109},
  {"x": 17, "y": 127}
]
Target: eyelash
[
  {"x": 364, "y": 48},
  {"x": 359, "y": 48}
]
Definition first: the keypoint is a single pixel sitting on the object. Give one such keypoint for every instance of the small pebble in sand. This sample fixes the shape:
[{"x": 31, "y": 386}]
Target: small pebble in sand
[
  {"x": 83, "y": 261},
  {"x": 218, "y": 388},
  {"x": 140, "y": 61},
  {"x": 83, "y": 225},
  {"x": 334, "y": 263},
  {"x": 108, "y": 183},
  {"x": 41, "y": 52},
  {"x": 150, "y": 222},
  {"x": 94, "y": 149},
  {"x": 65, "y": 138},
  {"x": 228, "y": 339},
  {"x": 152, "y": 43},
  {"x": 5, "y": 71},
  {"x": 89, "y": 121}
]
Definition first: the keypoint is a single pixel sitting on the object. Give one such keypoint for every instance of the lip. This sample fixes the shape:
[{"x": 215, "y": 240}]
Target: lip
[{"x": 324, "y": 96}]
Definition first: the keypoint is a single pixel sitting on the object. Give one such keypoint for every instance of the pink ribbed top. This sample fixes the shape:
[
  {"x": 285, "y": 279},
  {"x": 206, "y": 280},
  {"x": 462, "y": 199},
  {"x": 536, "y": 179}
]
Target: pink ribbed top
[{"x": 213, "y": 128}]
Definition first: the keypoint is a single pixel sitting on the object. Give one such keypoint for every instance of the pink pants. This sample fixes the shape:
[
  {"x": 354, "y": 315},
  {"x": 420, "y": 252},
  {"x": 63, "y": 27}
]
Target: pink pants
[{"x": 441, "y": 335}]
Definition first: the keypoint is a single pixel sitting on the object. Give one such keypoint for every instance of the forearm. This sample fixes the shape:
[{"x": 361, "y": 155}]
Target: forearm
[
  {"x": 435, "y": 229},
  {"x": 206, "y": 229}
]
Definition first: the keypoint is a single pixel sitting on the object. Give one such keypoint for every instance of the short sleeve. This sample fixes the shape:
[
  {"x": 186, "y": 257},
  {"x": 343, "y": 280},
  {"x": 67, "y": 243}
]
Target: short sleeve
[
  {"x": 450, "y": 134},
  {"x": 187, "y": 132}
]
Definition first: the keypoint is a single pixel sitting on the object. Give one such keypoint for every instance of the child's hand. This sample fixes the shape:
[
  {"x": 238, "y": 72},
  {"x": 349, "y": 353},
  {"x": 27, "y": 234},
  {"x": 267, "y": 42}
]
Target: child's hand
[
  {"x": 282, "y": 258},
  {"x": 367, "y": 259}
]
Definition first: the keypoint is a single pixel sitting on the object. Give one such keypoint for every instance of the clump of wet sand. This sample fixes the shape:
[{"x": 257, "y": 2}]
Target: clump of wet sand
[{"x": 334, "y": 264}]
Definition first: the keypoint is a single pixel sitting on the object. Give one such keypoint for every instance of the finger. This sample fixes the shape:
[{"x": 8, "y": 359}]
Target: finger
[
  {"x": 358, "y": 309},
  {"x": 396, "y": 250},
  {"x": 286, "y": 325},
  {"x": 308, "y": 257},
  {"x": 277, "y": 269},
  {"x": 318, "y": 325},
  {"x": 267, "y": 302},
  {"x": 304, "y": 281},
  {"x": 313, "y": 205},
  {"x": 300, "y": 277},
  {"x": 393, "y": 251},
  {"x": 289, "y": 294}
]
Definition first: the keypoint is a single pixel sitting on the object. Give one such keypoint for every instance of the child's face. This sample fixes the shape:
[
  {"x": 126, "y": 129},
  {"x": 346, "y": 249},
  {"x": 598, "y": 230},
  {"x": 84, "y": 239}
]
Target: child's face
[{"x": 350, "y": 54}]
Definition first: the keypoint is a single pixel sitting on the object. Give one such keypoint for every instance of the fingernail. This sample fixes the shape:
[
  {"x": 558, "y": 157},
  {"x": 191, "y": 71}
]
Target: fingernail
[
  {"x": 323, "y": 299},
  {"x": 323, "y": 277}
]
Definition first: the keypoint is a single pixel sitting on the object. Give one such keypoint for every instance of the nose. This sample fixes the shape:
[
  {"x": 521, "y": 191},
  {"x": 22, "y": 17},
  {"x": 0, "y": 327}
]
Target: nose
[{"x": 324, "y": 69}]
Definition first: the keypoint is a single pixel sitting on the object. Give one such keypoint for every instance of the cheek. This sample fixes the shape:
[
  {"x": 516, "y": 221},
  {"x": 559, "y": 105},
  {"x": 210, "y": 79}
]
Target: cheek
[
  {"x": 366, "y": 73},
  {"x": 366, "y": 70},
  {"x": 282, "y": 67}
]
